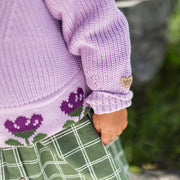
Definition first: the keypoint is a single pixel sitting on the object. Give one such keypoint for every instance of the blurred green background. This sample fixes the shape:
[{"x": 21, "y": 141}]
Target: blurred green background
[{"x": 152, "y": 138}]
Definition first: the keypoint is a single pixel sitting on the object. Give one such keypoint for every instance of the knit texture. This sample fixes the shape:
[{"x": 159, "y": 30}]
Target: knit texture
[
  {"x": 51, "y": 48},
  {"x": 98, "y": 32}
]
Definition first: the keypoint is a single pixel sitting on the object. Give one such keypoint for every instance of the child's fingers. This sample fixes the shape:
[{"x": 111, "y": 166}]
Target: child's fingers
[
  {"x": 96, "y": 126},
  {"x": 107, "y": 137},
  {"x": 125, "y": 124}
]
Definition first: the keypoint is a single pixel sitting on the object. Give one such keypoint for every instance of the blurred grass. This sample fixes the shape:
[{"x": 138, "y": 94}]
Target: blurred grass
[
  {"x": 174, "y": 24},
  {"x": 152, "y": 138}
]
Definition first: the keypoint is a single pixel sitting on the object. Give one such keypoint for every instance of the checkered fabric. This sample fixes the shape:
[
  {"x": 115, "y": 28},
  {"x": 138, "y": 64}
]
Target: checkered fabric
[{"x": 76, "y": 153}]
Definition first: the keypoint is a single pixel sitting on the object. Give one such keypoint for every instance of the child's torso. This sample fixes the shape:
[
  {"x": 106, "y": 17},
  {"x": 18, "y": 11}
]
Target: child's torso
[{"x": 41, "y": 83}]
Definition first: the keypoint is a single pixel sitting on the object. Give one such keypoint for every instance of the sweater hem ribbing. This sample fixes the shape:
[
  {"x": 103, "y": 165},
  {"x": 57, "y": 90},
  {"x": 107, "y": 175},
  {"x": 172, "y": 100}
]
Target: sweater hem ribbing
[
  {"x": 23, "y": 124},
  {"x": 45, "y": 99}
]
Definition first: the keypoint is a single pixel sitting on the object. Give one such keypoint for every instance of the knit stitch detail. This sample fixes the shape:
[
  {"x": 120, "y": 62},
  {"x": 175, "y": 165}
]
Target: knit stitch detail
[
  {"x": 98, "y": 32},
  {"x": 111, "y": 102},
  {"x": 73, "y": 107},
  {"x": 24, "y": 127},
  {"x": 43, "y": 44}
]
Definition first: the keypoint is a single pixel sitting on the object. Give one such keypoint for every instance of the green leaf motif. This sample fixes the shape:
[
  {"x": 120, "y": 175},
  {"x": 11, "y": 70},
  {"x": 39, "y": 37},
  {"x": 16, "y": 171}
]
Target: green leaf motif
[
  {"x": 76, "y": 112},
  {"x": 25, "y": 134},
  {"x": 87, "y": 109},
  {"x": 13, "y": 142},
  {"x": 38, "y": 137},
  {"x": 68, "y": 123}
]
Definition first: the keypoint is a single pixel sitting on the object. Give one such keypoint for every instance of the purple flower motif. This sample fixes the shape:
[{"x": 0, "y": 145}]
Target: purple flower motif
[
  {"x": 75, "y": 101},
  {"x": 23, "y": 124}
]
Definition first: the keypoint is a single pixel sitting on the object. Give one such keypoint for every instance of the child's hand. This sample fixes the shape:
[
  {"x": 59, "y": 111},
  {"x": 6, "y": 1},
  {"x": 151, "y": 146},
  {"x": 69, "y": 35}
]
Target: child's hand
[{"x": 110, "y": 125}]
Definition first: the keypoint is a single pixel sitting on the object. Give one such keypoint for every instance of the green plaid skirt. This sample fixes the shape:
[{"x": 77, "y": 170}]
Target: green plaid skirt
[{"x": 75, "y": 153}]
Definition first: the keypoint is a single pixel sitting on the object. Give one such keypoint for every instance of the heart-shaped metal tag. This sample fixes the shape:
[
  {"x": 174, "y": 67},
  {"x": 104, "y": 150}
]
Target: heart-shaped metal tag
[{"x": 126, "y": 82}]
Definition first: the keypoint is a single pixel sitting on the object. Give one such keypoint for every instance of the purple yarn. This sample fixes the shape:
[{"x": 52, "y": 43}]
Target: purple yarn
[
  {"x": 74, "y": 101},
  {"x": 23, "y": 124}
]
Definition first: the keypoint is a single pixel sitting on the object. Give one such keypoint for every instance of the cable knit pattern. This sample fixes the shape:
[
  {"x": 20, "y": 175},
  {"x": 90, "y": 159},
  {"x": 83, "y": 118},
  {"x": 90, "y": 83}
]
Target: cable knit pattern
[{"x": 49, "y": 49}]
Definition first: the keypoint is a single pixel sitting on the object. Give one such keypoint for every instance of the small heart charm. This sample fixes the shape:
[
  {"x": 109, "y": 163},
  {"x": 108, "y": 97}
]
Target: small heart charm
[{"x": 126, "y": 82}]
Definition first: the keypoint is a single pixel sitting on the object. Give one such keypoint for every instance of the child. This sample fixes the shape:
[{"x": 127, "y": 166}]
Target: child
[{"x": 58, "y": 59}]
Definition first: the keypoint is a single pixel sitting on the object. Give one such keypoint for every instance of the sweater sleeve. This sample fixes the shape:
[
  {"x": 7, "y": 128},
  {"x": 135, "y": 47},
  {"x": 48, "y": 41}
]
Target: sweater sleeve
[{"x": 98, "y": 31}]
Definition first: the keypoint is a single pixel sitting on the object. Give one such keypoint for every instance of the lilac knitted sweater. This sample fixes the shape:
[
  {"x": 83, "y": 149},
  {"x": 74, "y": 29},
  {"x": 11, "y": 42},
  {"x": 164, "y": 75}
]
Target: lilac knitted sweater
[{"x": 57, "y": 57}]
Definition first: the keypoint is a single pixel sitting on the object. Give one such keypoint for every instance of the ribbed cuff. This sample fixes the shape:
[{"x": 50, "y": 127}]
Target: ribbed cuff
[{"x": 104, "y": 102}]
